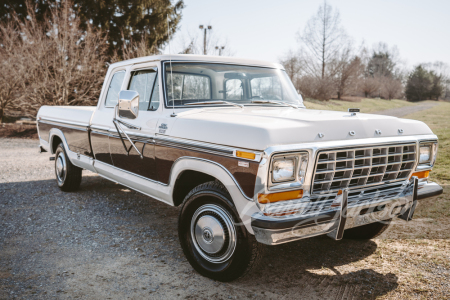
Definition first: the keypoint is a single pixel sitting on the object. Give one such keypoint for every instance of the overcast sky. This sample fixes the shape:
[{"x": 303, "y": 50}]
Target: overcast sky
[{"x": 267, "y": 29}]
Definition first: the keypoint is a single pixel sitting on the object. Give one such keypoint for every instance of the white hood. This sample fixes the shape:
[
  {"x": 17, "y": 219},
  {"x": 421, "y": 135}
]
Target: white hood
[{"x": 261, "y": 127}]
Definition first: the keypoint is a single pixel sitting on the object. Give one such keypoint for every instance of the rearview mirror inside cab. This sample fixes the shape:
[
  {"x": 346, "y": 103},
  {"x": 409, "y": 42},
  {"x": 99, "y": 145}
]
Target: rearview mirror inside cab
[{"x": 128, "y": 107}]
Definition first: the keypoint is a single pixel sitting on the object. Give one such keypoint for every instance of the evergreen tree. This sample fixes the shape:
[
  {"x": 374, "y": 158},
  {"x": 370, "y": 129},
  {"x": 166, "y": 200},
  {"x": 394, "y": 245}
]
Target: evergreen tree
[
  {"x": 380, "y": 65},
  {"x": 423, "y": 85},
  {"x": 122, "y": 20}
]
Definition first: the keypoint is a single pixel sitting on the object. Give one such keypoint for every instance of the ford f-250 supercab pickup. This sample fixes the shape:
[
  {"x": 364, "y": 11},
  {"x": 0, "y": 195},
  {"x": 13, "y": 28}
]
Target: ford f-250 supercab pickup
[{"x": 230, "y": 142}]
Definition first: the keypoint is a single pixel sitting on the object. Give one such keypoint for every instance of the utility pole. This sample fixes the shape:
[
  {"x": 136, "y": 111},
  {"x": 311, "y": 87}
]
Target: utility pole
[
  {"x": 204, "y": 37},
  {"x": 220, "y": 49}
]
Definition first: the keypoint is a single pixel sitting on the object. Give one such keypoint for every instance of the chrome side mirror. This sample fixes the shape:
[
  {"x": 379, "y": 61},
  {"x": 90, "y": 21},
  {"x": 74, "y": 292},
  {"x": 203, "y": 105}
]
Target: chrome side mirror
[{"x": 128, "y": 107}]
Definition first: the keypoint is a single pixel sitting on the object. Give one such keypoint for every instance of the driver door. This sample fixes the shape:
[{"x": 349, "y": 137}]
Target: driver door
[{"x": 143, "y": 79}]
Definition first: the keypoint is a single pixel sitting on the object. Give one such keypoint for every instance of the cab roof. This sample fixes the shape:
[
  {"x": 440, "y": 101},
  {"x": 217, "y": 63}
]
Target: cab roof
[{"x": 198, "y": 58}]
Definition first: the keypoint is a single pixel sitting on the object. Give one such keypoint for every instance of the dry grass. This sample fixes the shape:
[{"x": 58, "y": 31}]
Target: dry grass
[
  {"x": 438, "y": 119},
  {"x": 418, "y": 252},
  {"x": 366, "y": 105}
]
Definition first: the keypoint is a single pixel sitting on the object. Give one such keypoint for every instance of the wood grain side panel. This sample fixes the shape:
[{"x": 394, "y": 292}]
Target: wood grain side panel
[
  {"x": 100, "y": 147},
  {"x": 166, "y": 156},
  {"x": 132, "y": 162},
  {"x": 77, "y": 139}
]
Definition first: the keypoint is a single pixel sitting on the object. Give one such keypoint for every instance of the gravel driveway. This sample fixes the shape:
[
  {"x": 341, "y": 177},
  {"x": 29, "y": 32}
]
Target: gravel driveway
[{"x": 107, "y": 242}]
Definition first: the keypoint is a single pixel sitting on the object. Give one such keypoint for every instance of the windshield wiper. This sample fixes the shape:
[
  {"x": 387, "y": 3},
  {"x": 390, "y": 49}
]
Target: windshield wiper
[
  {"x": 215, "y": 102},
  {"x": 275, "y": 102}
]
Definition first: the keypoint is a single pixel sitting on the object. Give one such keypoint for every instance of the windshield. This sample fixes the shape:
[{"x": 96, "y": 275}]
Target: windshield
[{"x": 200, "y": 82}]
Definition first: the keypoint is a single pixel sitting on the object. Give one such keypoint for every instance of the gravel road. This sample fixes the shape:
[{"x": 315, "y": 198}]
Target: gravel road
[
  {"x": 108, "y": 242},
  {"x": 406, "y": 110}
]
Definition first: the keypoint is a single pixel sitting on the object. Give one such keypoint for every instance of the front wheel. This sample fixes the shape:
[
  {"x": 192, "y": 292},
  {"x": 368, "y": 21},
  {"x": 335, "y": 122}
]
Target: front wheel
[
  {"x": 212, "y": 236},
  {"x": 68, "y": 176}
]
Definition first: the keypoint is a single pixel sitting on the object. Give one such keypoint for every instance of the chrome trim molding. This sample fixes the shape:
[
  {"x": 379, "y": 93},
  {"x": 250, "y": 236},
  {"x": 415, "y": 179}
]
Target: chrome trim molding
[
  {"x": 66, "y": 125},
  {"x": 56, "y": 122}
]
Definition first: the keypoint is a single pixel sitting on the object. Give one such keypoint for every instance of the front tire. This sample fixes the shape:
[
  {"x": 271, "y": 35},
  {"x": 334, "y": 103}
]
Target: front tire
[
  {"x": 367, "y": 232},
  {"x": 212, "y": 236},
  {"x": 68, "y": 176}
]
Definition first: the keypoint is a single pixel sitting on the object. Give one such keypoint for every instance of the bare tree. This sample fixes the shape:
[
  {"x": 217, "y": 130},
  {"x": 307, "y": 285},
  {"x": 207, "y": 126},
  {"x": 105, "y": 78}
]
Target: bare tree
[
  {"x": 135, "y": 49},
  {"x": 316, "y": 87},
  {"x": 14, "y": 70},
  {"x": 292, "y": 64},
  {"x": 369, "y": 85},
  {"x": 67, "y": 64},
  {"x": 192, "y": 43},
  {"x": 322, "y": 38},
  {"x": 391, "y": 88},
  {"x": 346, "y": 69}
]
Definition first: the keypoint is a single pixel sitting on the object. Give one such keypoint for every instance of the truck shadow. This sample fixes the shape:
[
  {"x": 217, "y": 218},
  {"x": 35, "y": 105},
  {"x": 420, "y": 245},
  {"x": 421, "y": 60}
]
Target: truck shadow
[{"x": 316, "y": 267}]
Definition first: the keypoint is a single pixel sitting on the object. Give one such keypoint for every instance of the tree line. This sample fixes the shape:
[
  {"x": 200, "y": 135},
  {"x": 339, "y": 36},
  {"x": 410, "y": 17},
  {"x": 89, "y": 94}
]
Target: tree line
[
  {"x": 56, "y": 52},
  {"x": 328, "y": 65}
]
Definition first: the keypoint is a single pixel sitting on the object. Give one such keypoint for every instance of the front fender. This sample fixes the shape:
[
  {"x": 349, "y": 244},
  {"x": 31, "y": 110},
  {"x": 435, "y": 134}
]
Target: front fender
[{"x": 244, "y": 205}]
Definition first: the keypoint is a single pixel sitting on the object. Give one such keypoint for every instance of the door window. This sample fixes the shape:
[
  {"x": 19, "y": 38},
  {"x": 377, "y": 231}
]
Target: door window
[
  {"x": 143, "y": 82},
  {"x": 112, "y": 97}
]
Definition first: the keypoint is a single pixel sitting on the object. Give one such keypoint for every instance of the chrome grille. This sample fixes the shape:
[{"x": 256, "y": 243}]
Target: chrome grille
[{"x": 362, "y": 167}]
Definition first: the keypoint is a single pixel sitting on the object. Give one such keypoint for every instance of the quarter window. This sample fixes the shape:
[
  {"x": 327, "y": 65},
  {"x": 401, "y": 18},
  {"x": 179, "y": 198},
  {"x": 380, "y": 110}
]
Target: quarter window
[{"x": 112, "y": 97}]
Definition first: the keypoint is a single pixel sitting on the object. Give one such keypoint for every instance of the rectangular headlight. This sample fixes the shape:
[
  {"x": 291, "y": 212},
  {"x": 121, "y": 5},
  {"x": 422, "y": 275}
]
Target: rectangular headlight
[
  {"x": 288, "y": 168},
  {"x": 427, "y": 154},
  {"x": 283, "y": 169}
]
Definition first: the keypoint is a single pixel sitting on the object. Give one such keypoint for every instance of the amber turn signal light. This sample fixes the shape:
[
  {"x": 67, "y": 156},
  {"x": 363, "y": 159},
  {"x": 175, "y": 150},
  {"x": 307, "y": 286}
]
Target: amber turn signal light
[
  {"x": 282, "y": 196},
  {"x": 420, "y": 175},
  {"x": 247, "y": 155}
]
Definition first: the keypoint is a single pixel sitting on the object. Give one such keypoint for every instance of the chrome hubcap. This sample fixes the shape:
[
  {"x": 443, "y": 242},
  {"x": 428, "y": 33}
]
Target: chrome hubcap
[
  {"x": 61, "y": 168},
  {"x": 213, "y": 233}
]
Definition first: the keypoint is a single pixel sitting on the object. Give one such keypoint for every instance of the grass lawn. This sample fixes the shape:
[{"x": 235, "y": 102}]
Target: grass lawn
[
  {"x": 438, "y": 119},
  {"x": 366, "y": 105}
]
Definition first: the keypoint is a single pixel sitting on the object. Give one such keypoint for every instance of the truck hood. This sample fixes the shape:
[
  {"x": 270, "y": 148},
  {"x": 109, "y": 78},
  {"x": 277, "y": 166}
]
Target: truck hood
[{"x": 261, "y": 127}]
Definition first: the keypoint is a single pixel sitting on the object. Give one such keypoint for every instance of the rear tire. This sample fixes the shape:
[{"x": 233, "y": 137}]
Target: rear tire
[
  {"x": 367, "y": 232},
  {"x": 68, "y": 176},
  {"x": 212, "y": 236}
]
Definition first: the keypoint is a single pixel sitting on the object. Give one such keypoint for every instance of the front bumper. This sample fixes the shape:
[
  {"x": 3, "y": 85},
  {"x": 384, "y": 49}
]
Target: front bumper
[{"x": 273, "y": 231}]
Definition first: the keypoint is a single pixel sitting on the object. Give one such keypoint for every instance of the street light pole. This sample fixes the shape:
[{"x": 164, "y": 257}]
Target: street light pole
[
  {"x": 204, "y": 37},
  {"x": 220, "y": 49}
]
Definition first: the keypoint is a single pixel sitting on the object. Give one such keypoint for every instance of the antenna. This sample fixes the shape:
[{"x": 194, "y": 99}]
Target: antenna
[{"x": 171, "y": 76}]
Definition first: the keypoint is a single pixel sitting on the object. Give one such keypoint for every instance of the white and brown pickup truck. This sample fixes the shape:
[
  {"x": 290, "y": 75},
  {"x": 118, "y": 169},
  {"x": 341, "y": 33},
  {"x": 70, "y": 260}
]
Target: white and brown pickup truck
[{"x": 230, "y": 142}]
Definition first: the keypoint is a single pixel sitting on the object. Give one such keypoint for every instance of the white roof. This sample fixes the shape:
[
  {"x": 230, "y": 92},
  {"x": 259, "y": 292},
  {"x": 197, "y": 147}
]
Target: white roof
[{"x": 199, "y": 58}]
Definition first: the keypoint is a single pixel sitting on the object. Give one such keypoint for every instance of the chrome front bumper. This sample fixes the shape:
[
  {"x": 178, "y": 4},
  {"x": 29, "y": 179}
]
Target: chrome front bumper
[{"x": 273, "y": 231}]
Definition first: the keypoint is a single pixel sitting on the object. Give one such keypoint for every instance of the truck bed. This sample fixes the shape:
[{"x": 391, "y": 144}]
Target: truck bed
[
  {"x": 73, "y": 124},
  {"x": 73, "y": 114}
]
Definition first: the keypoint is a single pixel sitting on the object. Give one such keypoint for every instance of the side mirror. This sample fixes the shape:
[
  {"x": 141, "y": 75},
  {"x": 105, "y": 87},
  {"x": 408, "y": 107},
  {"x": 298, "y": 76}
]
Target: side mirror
[{"x": 128, "y": 107}]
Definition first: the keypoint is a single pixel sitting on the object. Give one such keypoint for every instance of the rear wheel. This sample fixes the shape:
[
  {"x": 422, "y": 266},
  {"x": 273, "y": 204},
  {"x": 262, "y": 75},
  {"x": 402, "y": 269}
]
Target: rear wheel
[
  {"x": 367, "y": 232},
  {"x": 68, "y": 176},
  {"x": 212, "y": 236}
]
